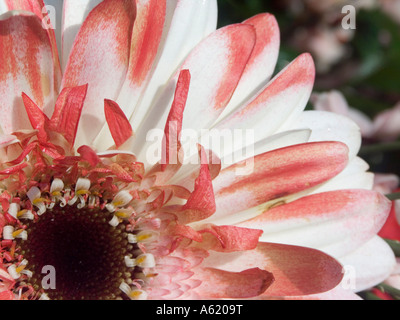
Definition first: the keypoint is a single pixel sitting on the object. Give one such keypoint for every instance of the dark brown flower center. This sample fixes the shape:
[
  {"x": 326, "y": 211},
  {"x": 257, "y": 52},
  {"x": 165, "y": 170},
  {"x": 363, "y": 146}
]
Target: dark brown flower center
[{"x": 75, "y": 254}]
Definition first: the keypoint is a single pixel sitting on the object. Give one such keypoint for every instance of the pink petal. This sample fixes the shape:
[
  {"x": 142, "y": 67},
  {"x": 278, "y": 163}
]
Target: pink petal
[
  {"x": 223, "y": 284},
  {"x": 173, "y": 126},
  {"x": 229, "y": 238},
  {"x": 100, "y": 57},
  {"x": 216, "y": 66},
  {"x": 6, "y": 295},
  {"x": 89, "y": 155},
  {"x": 38, "y": 8},
  {"x": 201, "y": 203},
  {"x": 27, "y": 66},
  {"x": 199, "y": 20},
  {"x": 297, "y": 270},
  {"x": 74, "y": 14},
  {"x": 281, "y": 100},
  {"x": 118, "y": 124},
  {"x": 67, "y": 112},
  {"x": 336, "y": 222},
  {"x": 278, "y": 174},
  {"x": 262, "y": 61},
  {"x": 146, "y": 37},
  {"x": 36, "y": 116}
]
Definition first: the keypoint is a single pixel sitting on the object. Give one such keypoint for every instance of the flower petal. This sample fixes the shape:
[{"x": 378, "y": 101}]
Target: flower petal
[
  {"x": 173, "y": 126},
  {"x": 223, "y": 284},
  {"x": 118, "y": 124},
  {"x": 330, "y": 126},
  {"x": 186, "y": 24},
  {"x": 354, "y": 176},
  {"x": 27, "y": 66},
  {"x": 277, "y": 174},
  {"x": 262, "y": 61},
  {"x": 74, "y": 14},
  {"x": 38, "y": 8},
  {"x": 216, "y": 66},
  {"x": 282, "y": 100},
  {"x": 36, "y": 117},
  {"x": 297, "y": 270},
  {"x": 336, "y": 222},
  {"x": 370, "y": 264},
  {"x": 146, "y": 37},
  {"x": 67, "y": 112},
  {"x": 201, "y": 203},
  {"x": 229, "y": 238},
  {"x": 100, "y": 57}
]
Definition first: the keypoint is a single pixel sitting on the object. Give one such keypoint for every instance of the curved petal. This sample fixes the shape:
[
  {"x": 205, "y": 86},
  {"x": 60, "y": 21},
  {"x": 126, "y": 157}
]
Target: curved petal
[
  {"x": 229, "y": 238},
  {"x": 297, "y": 270},
  {"x": 38, "y": 8},
  {"x": 74, "y": 14},
  {"x": 118, "y": 124},
  {"x": 262, "y": 61},
  {"x": 67, "y": 112},
  {"x": 186, "y": 24},
  {"x": 100, "y": 57},
  {"x": 216, "y": 284},
  {"x": 330, "y": 126},
  {"x": 146, "y": 37},
  {"x": 201, "y": 203},
  {"x": 369, "y": 265},
  {"x": 216, "y": 66},
  {"x": 354, "y": 176},
  {"x": 277, "y": 174},
  {"x": 336, "y": 222},
  {"x": 27, "y": 66},
  {"x": 282, "y": 100}
]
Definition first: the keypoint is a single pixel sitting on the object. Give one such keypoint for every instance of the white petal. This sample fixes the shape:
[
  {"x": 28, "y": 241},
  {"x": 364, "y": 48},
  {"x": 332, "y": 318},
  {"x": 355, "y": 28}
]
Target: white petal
[
  {"x": 327, "y": 126},
  {"x": 372, "y": 263}
]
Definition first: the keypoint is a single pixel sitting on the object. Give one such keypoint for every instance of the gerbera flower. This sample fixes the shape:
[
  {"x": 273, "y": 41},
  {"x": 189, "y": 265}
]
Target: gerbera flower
[{"x": 87, "y": 214}]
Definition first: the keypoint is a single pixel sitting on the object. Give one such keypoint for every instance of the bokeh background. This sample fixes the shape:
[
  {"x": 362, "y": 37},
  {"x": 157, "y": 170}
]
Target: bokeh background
[{"x": 363, "y": 64}]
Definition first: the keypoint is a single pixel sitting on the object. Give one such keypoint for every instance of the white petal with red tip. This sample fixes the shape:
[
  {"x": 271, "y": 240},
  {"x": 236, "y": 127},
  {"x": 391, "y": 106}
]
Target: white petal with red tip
[
  {"x": 277, "y": 174},
  {"x": 262, "y": 61},
  {"x": 100, "y": 57},
  {"x": 24, "y": 37},
  {"x": 282, "y": 100},
  {"x": 336, "y": 222},
  {"x": 186, "y": 24}
]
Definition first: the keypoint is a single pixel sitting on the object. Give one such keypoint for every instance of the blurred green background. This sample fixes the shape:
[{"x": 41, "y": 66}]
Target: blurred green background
[{"x": 368, "y": 73}]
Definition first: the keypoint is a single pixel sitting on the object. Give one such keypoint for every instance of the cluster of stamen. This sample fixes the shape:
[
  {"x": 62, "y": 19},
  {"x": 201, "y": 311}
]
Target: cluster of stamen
[{"x": 91, "y": 240}]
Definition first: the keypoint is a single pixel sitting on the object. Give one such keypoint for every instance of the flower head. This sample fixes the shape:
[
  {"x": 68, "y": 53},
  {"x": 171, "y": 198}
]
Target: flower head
[{"x": 81, "y": 192}]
